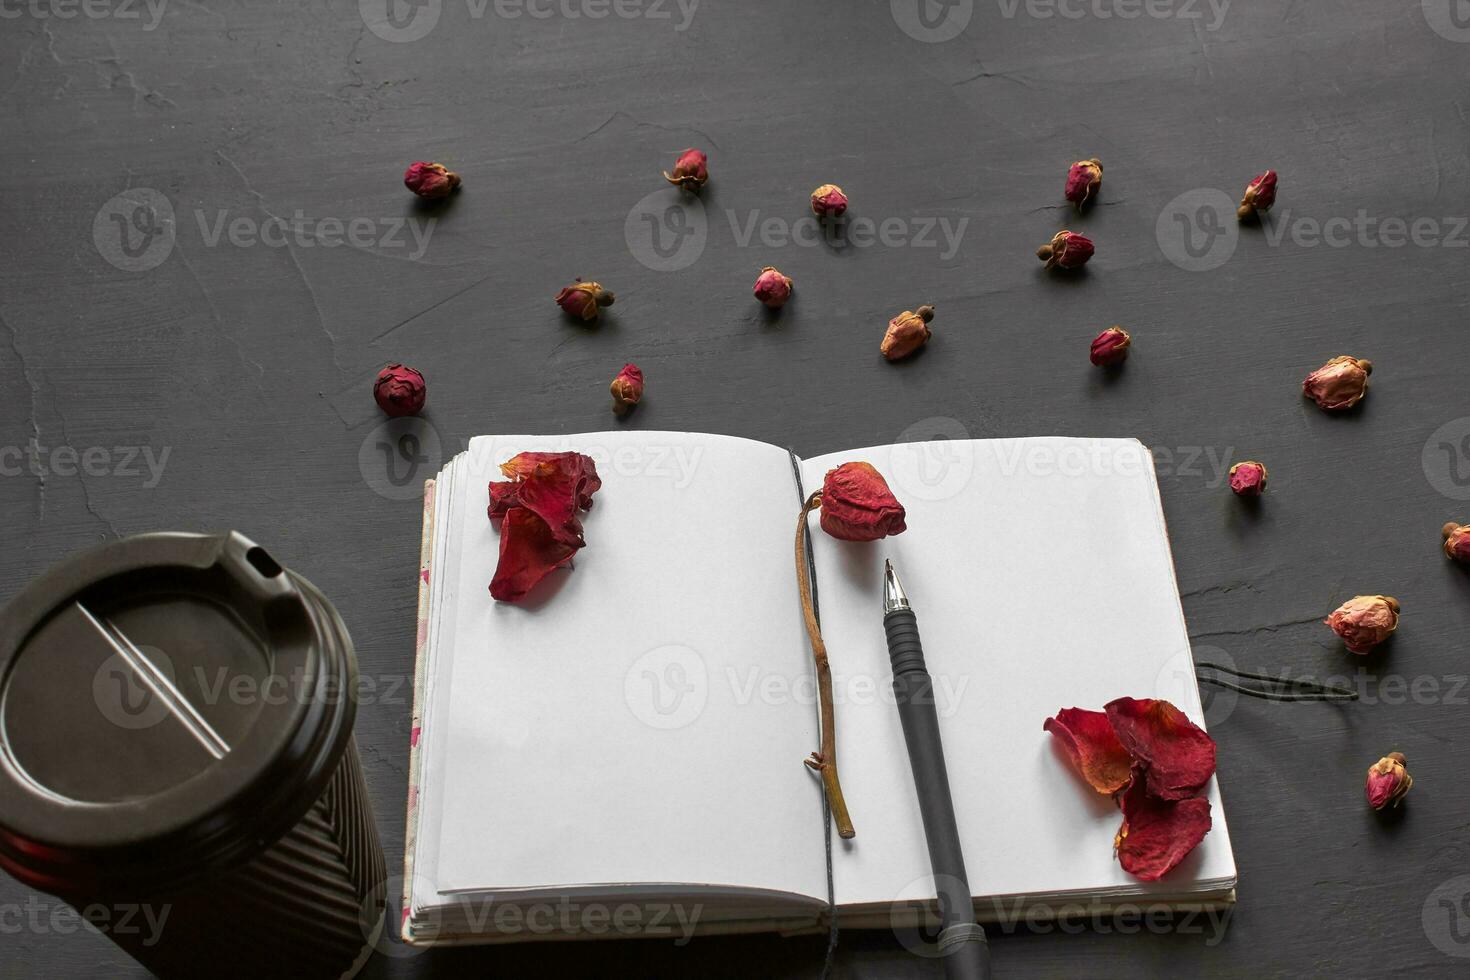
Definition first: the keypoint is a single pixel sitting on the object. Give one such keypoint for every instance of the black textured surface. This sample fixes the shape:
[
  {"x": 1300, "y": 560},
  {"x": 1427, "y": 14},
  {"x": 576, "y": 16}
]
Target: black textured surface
[{"x": 250, "y": 365}]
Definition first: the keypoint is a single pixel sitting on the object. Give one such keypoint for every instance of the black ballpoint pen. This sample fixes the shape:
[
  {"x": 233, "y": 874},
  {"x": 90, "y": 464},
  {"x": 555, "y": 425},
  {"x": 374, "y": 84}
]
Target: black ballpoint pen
[{"x": 961, "y": 940}]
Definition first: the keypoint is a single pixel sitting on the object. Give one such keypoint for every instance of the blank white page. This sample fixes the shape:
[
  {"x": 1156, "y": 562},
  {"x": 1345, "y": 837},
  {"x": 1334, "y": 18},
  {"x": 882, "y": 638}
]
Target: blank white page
[
  {"x": 1040, "y": 573},
  {"x": 609, "y": 732}
]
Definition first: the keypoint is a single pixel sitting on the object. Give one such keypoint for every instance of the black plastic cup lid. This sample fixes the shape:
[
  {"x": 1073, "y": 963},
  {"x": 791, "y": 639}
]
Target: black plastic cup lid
[{"x": 169, "y": 705}]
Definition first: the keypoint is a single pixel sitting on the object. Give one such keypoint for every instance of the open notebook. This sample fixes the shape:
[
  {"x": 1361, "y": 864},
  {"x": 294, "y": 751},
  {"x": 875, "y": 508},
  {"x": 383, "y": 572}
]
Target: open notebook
[{"x": 631, "y": 742}]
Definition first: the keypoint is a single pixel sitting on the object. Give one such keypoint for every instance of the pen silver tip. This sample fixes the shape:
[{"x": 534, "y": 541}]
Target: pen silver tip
[{"x": 893, "y": 594}]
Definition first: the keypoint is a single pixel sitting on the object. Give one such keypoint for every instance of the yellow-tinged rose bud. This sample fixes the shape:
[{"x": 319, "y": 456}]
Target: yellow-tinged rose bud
[
  {"x": 1365, "y": 621},
  {"x": 1388, "y": 781}
]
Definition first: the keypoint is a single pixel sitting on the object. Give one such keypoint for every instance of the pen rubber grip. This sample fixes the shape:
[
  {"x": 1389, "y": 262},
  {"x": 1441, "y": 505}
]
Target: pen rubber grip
[{"x": 905, "y": 651}]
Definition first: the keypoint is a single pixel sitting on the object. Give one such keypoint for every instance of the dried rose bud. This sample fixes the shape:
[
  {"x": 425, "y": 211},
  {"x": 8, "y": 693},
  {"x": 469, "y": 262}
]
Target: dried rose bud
[
  {"x": 828, "y": 201},
  {"x": 907, "y": 332},
  {"x": 1339, "y": 384},
  {"x": 1365, "y": 621},
  {"x": 1067, "y": 250},
  {"x": 627, "y": 389},
  {"x": 691, "y": 170},
  {"x": 584, "y": 299},
  {"x": 1260, "y": 194},
  {"x": 1456, "y": 541},
  {"x": 858, "y": 506},
  {"x": 1388, "y": 781},
  {"x": 772, "y": 288},
  {"x": 431, "y": 180},
  {"x": 1110, "y": 347},
  {"x": 400, "y": 390},
  {"x": 1248, "y": 479},
  {"x": 1083, "y": 181}
]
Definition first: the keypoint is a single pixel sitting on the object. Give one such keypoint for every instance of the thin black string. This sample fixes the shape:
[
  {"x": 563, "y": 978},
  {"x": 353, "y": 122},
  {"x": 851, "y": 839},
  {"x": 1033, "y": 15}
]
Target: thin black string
[
  {"x": 811, "y": 567},
  {"x": 1276, "y": 688}
]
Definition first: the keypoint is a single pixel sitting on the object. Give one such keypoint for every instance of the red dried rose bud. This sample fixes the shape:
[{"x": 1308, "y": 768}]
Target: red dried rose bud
[
  {"x": 1157, "y": 834},
  {"x": 1110, "y": 347},
  {"x": 691, "y": 170},
  {"x": 1066, "y": 250},
  {"x": 828, "y": 201},
  {"x": 1339, "y": 384},
  {"x": 1365, "y": 621},
  {"x": 536, "y": 510},
  {"x": 858, "y": 506},
  {"x": 584, "y": 299},
  {"x": 1248, "y": 479},
  {"x": 1388, "y": 781},
  {"x": 1083, "y": 181},
  {"x": 1177, "y": 755},
  {"x": 431, "y": 180},
  {"x": 906, "y": 333},
  {"x": 627, "y": 389},
  {"x": 1093, "y": 746},
  {"x": 1260, "y": 194},
  {"x": 1456, "y": 541},
  {"x": 400, "y": 390},
  {"x": 772, "y": 288}
]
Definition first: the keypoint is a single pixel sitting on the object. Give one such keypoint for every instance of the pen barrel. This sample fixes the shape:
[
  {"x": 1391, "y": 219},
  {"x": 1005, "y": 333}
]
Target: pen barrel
[{"x": 962, "y": 942}]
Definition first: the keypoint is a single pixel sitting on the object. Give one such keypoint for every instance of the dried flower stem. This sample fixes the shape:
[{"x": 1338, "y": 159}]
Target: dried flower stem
[{"x": 825, "y": 760}]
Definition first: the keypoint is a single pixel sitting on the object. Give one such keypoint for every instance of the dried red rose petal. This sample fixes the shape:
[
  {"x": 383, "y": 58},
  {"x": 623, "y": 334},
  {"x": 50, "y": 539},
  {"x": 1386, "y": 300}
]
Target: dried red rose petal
[
  {"x": 828, "y": 201},
  {"x": 1083, "y": 181},
  {"x": 1260, "y": 194},
  {"x": 1066, "y": 250},
  {"x": 1365, "y": 621},
  {"x": 906, "y": 333},
  {"x": 528, "y": 553},
  {"x": 537, "y": 513},
  {"x": 400, "y": 390},
  {"x": 691, "y": 170},
  {"x": 584, "y": 299},
  {"x": 772, "y": 288},
  {"x": 1177, "y": 756},
  {"x": 1339, "y": 384},
  {"x": 1456, "y": 541},
  {"x": 1157, "y": 834},
  {"x": 627, "y": 389},
  {"x": 431, "y": 180},
  {"x": 1110, "y": 347},
  {"x": 858, "y": 506},
  {"x": 1093, "y": 746},
  {"x": 1388, "y": 781},
  {"x": 1248, "y": 479}
]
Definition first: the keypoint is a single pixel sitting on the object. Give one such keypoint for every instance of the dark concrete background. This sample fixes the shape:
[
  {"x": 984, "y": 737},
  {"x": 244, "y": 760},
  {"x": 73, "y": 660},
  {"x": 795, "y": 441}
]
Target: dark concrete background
[{"x": 250, "y": 363}]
